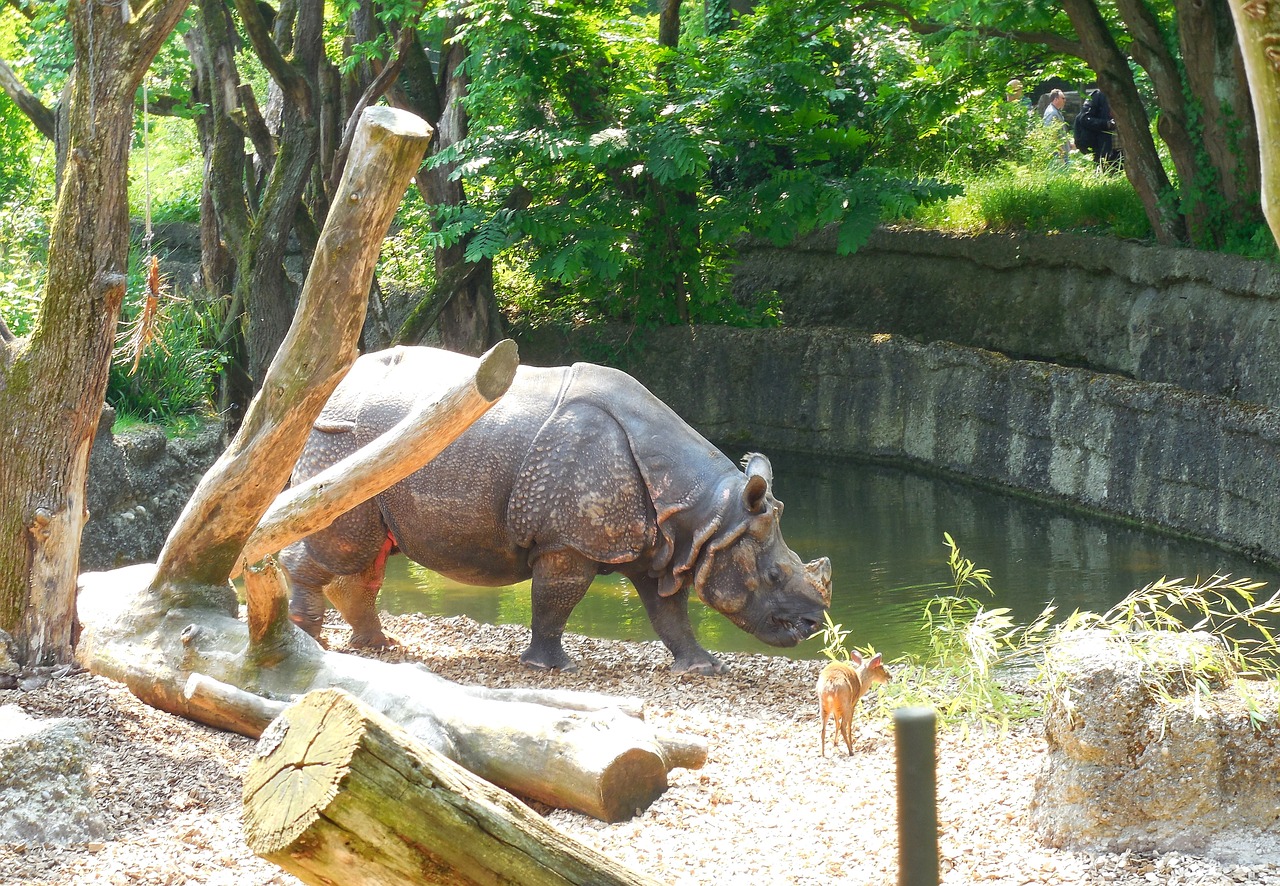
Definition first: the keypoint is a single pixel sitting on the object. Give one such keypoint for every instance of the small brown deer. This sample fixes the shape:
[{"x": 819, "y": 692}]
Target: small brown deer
[{"x": 841, "y": 686}]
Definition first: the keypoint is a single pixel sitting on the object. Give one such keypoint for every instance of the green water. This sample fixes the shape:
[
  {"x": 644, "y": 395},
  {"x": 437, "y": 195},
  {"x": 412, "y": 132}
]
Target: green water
[{"x": 882, "y": 528}]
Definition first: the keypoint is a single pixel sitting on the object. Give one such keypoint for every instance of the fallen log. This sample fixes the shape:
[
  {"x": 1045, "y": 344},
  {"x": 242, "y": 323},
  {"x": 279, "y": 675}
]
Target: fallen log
[
  {"x": 228, "y": 707},
  {"x": 579, "y": 751},
  {"x": 338, "y": 793}
]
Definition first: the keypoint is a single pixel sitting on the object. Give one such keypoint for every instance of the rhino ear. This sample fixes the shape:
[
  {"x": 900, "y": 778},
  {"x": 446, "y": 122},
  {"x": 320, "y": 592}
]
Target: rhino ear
[{"x": 759, "y": 477}]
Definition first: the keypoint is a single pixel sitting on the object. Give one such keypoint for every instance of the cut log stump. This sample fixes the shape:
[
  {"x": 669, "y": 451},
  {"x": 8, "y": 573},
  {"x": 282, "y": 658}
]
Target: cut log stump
[{"x": 338, "y": 793}]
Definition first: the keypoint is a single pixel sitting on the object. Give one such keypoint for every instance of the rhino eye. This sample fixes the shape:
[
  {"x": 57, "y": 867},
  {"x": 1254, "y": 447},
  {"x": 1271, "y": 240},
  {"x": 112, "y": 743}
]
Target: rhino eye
[{"x": 774, "y": 574}]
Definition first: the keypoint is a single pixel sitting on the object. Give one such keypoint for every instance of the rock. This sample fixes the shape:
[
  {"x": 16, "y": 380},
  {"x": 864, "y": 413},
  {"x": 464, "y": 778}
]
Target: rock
[
  {"x": 44, "y": 792},
  {"x": 9, "y": 666},
  {"x": 138, "y": 484},
  {"x": 1151, "y": 748}
]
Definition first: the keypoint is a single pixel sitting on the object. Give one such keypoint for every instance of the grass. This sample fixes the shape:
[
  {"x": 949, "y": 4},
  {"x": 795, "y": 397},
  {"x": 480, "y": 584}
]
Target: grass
[
  {"x": 971, "y": 645},
  {"x": 1041, "y": 199}
]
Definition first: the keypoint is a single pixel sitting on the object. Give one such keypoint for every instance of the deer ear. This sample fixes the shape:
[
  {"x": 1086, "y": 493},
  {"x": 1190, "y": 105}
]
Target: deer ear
[
  {"x": 855, "y": 656},
  {"x": 875, "y": 660}
]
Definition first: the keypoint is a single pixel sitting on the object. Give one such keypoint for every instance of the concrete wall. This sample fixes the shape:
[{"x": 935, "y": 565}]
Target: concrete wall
[
  {"x": 1204, "y": 466},
  {"x": 1206, "y": 322}
]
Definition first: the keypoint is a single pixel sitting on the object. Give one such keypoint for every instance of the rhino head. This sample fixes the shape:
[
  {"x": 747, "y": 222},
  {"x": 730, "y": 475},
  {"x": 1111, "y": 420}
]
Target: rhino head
[{"x": 738, "y": 563}]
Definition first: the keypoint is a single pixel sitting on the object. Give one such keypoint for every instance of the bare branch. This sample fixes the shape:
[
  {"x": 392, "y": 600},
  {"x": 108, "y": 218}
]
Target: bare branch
[
  {"x": 27, "y": 101},
  {"x": 286, "y": 76},
  {"x": 250, "y": 120}
]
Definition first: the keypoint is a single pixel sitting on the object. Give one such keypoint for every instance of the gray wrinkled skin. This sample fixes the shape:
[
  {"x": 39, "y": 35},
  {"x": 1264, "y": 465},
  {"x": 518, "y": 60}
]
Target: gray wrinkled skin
[{"x": 576, "y": 471}]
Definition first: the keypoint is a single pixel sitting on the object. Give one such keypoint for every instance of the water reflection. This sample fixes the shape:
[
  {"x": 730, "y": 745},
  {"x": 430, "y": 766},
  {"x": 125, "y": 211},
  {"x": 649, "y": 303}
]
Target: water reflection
[{"x": 883, "y": 530}]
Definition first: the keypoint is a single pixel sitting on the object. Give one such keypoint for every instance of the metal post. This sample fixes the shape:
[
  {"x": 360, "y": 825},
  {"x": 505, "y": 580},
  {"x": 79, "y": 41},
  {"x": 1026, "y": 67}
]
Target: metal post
[{"x": 917, "y": 797}]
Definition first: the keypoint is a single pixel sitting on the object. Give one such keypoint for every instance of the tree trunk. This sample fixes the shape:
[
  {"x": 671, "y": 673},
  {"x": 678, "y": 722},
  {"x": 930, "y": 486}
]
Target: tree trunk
[
  {"x": 257, "y": 203},
  {"x": 1205, "y": 119},
  {"x": 464, "y": 308},
  {"x": 1258, "y": 25},
  {"x": 52, "y": 385},
  {"x": 1225, "y": 126},
  {"x": 1141, "y": 161},
  {"x": 354, "y": 780}
]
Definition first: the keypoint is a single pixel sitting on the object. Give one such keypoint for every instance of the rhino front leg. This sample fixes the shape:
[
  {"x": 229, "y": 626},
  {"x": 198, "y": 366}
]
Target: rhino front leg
[
  {"x": 560, "y": 581},
  {"x": 670, "y": 619}
]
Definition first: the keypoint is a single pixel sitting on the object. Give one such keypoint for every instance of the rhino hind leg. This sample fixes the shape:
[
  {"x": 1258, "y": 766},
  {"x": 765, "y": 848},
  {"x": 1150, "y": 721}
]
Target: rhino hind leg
[
  {"x": 670, "y": 619},
  {"x": 355, "y": 597},
  {"x": 560, "y": 581},
  {"x": 307, "y": 579},
  {"x": 343, "y": 564}
]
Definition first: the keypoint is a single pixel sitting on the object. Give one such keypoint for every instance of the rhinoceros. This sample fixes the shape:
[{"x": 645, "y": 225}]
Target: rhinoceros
[{"x": 575, "y": 471}]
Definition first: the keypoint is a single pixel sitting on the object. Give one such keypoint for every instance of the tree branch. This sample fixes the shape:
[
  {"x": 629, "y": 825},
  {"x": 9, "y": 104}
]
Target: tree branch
[
  {"x": 27, "y": 101},
  {"x": 250, "y": 120},
  {"x": 286, "y": 76},
  {"x": 152, "y": 24},
  {"x": 380, "y": 84},
  {"x": 1055, "y": 42},
  {"x": 26, "y": 10}
]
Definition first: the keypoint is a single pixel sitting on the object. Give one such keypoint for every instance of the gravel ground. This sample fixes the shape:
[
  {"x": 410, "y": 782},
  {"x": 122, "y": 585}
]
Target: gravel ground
[{"x": 766, "y": 808}]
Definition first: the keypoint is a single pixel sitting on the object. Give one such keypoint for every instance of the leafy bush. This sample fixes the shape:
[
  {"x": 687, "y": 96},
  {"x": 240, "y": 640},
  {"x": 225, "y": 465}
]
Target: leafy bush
[
  {"x": 165, "y": 364},
  {"x": 624, "y": 172}
]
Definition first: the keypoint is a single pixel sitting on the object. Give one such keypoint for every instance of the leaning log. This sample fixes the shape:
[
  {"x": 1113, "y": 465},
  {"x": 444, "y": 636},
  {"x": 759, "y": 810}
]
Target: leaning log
[
  {"x": 339, "y": 794},
  {"x": 389, "y": 458},
  {"x": 321, "y": 345}
]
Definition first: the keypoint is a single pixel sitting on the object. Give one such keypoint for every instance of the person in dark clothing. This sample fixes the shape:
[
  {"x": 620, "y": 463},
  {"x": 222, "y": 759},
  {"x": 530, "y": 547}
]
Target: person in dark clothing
[{"x": 1095, "y": 128}]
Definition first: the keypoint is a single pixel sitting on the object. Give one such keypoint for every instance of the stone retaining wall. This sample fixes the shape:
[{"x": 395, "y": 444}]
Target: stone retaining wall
[
  {"x": 1207, "y": 467},
  {"x": 1203, "y": 321}
]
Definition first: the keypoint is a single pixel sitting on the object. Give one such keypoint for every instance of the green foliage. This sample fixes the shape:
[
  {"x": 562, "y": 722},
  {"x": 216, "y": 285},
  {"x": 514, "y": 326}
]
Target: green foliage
[
  {"x": 834, "y": 639},
  {"x": 632, "y": 168},
  {"x": 408, "y": 259},
  {"x": 24, "y": 244},
  {"x": 967, "y": 641},
  {"x": 1227, "y": 608},
  {"x": 166, "y": 169},
  {"x": 178, "y": 368}
]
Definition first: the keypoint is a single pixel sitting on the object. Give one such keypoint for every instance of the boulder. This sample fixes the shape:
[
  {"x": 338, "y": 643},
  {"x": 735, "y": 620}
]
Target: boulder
[
  {"x": 45, "y": 796},
  {"x": 139, "y": 482},
  {"x": 1152, "y": 747}
]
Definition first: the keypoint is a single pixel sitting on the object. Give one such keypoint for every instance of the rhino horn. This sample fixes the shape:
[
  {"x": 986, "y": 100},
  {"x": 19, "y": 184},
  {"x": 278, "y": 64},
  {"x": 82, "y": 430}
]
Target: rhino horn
[{"x": 819, "y": 574}]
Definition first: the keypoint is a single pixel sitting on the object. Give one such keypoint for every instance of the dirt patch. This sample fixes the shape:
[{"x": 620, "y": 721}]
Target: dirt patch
[{"x": 766, "y": 808}]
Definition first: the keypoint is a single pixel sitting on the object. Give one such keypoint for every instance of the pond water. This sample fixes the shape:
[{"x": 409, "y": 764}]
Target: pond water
[{"x": 883, "y": 529}]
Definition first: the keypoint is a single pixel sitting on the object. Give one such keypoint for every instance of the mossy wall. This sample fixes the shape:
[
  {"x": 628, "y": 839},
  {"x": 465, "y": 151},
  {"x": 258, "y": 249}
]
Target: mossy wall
[{"x": 1203, "y": 321}]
